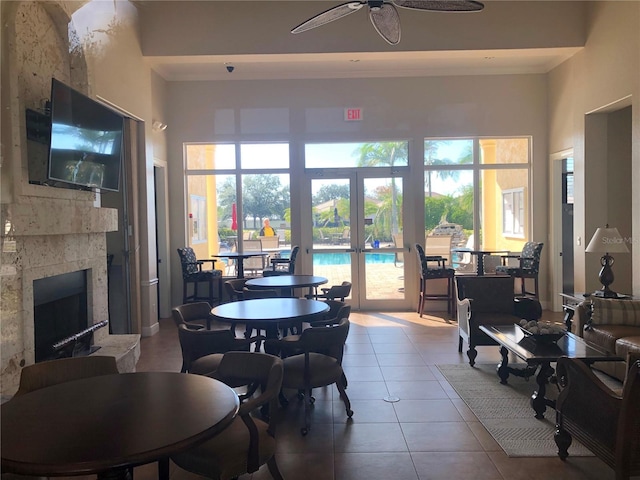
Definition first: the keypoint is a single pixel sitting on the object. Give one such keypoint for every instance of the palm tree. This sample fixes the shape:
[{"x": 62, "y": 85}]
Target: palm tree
[
  {"x": 431, "y": 148},
  {"x": 385, "y": 154}
]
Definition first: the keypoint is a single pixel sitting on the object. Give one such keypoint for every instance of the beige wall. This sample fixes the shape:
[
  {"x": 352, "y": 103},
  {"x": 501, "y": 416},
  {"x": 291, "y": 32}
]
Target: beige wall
[
  {"x": 400, "y": 108},
  {"x": 603, "y": 78}
]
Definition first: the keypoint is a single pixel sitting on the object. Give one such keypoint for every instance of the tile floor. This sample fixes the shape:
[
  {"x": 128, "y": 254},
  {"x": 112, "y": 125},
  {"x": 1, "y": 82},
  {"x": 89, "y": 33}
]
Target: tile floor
[{"x": 428, "y": 434}]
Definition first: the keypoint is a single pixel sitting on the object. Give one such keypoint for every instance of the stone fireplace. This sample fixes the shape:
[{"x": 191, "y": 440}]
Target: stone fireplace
[{"x": 45, "y": 231}]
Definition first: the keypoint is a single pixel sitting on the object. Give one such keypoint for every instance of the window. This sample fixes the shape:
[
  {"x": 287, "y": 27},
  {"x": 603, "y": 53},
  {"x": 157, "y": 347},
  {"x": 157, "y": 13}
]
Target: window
[
  {"x": 478, "y": 189},
  {"x": 232, "y": 188},
  {"x": 513, "y": 213}
]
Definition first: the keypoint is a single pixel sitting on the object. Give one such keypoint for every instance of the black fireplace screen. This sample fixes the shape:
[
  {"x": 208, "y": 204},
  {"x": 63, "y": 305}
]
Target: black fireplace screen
[{"x": 60, "y": 311}]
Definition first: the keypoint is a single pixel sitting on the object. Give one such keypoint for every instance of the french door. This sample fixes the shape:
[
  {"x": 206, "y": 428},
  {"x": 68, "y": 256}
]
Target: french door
[{"x": 355, "y": 234}]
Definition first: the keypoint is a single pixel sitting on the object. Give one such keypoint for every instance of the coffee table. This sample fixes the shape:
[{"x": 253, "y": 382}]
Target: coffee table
[{"x": 539, "y": 356}]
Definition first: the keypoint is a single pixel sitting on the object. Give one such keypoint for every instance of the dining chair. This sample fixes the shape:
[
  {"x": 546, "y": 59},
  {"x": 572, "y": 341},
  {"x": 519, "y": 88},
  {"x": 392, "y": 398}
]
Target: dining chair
[
  {"x": 434, "y": 267},
  {"x": 52, "y": 372},
  {"x": 341, "y": 291},
  {"x": 197, "y": 344},
  {"x": 249, "y": 442},
  {"x": 234, "y": 288},
  {"x": 318, "y": 364},
  {"x": 193, "y": 274},
  {"x": 195, "y": 316},
  {"x": 528, "y": 267},
  {"x": 283, "y": 266}
]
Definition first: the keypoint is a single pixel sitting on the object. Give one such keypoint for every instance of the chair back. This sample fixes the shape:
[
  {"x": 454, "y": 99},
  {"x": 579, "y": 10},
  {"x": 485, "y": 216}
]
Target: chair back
[
  {"x": 52, "y": 372},
  {"x": 234, "y": 288},
  {"x": 438, "y": 245},
  {"x": 531, "y": 252},
  {"x": 292, "y": 259},
  {"x": 191, "y": 314},
  {"x": 328, "y": 340},
  {"x": 249, "y": 293},
  {"x": 269, "y": 243},
  {"x": 198, "y": 343},
  {"x": 188, "y": 261},
  {"x": 398, "y": 242},
  {"x": 338, "y": 291},
  {"x": 488, "y": 293},
  {"x": 253, "y": 263}
]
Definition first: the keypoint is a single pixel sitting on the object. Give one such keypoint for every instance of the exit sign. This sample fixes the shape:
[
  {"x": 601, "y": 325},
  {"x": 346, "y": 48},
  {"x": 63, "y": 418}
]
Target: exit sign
[{"x": 352, "y": 114}]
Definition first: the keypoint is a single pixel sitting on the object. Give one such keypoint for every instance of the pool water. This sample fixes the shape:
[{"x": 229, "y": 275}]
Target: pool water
[{"x": 345, "y": 258}]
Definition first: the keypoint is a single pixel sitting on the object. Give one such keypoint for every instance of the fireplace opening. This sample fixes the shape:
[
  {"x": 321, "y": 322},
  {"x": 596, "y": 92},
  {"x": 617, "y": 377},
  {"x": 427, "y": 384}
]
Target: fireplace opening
[{"x": 61, "y": 317}]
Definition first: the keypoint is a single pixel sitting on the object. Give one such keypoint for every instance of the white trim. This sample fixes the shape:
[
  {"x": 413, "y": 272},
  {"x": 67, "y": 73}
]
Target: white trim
[
  {"x": 555, "y": 226},
  {"x": 149, "y": 283}
]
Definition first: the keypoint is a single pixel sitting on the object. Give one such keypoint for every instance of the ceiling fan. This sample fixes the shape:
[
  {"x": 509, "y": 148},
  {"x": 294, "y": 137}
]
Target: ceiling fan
[{"x": 384, "y": 14}]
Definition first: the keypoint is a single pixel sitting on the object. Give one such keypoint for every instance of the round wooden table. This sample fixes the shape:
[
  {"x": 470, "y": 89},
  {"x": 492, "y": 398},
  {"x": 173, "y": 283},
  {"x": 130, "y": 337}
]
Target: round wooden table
[
  {"x": 288, "y": 282},
  {"x": 110, "y": 423},
  {"x": 270, "y": 314}
]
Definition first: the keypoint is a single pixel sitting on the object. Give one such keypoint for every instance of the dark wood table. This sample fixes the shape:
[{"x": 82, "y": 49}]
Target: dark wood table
[
  {"x": 288, "y": 282},
  {"x": 108, "y": 424},
  {"x": 240, "y": 256},
  {"x": 539, "y": 356},
  {"x": 480, "y": 254},
  {"x": 270, "y": 314}
]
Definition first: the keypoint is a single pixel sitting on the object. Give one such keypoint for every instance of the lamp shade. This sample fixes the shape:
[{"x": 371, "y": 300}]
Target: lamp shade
[{"x": 607, "y": 240}]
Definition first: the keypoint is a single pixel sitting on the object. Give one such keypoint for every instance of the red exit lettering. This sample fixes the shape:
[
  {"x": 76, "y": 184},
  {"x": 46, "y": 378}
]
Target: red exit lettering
[{"x": 351, "y": 114}]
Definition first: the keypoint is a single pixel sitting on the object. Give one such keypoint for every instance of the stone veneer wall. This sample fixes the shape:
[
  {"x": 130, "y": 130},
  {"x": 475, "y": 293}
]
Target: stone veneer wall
[{"x": 45, "y": 231}]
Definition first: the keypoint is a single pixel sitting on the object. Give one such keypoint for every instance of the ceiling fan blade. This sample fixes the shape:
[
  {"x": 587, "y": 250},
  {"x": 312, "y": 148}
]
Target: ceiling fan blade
[
  {"x": 441, "y": 5},
  {"x": 386, "y": 21},
  {"x": 330, "y": 15}
]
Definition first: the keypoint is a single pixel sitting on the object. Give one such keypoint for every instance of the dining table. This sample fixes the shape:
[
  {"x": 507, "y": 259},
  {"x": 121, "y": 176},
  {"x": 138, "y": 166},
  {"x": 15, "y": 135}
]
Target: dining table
[
  {"x": 271, "y": 314},
  {"x": 108, "y": 424},
  {"x": 240, "y": 256},
  {"x": 479, "y": 254},
  {"x": 288, "y": 283}
]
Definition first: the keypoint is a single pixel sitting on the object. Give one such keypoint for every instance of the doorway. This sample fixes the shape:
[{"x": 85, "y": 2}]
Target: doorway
[{"x": 356, "y": 234}]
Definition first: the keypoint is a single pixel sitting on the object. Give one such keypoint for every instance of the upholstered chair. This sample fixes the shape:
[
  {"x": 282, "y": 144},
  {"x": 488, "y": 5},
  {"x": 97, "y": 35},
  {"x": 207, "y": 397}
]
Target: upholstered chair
[
  {"x": 434, "y": 267},
  {"x": 193, "y": 275},
  {"x": 528, "y": 267}
]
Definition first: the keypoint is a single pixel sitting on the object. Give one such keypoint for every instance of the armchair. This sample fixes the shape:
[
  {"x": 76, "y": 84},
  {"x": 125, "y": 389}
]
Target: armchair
[
  {"x": 528, "y": 267},
  {"x": 192, "y": 273},
  {"x": 488, "y": 300},
  {"x": 283, "y": 266},
  {"x": 608, "y": 424}
]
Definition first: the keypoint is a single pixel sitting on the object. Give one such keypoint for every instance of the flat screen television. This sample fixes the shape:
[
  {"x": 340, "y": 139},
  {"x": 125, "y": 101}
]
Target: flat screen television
[{"x": 86, "y": 140}]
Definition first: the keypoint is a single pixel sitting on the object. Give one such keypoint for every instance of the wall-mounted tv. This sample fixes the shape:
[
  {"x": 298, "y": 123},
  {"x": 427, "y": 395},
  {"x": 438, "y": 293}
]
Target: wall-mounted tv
[{"x": 86, "y": 140}]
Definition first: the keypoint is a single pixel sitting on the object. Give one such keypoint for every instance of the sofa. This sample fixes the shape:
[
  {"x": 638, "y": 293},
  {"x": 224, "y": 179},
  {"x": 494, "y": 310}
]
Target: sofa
[{"x": 613, "y": 324}]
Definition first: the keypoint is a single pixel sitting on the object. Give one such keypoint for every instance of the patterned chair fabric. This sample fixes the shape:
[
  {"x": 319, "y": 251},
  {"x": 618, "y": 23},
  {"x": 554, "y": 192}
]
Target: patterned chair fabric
[
  {"x": 192, "y": 273},
  {"x": 529, "y": 266},
  {"x": 434, "y": 267}
]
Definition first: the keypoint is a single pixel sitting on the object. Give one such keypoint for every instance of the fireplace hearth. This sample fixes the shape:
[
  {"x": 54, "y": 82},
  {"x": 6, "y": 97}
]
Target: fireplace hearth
[{"x": 61, "y": 317}]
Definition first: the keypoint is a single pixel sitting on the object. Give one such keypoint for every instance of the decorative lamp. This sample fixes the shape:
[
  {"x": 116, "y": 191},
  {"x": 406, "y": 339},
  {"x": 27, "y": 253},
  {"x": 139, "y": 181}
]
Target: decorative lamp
[{"x": 606, "y": 240}]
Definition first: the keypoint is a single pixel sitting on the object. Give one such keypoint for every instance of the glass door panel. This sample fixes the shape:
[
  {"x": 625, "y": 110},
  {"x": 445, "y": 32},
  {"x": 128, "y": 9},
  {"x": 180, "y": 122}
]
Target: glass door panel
[{"x": 357, "y": 236}]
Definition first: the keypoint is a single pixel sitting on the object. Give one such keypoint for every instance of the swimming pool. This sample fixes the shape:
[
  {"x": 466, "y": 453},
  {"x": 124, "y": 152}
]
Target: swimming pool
[{"x": 345, "y": 258}]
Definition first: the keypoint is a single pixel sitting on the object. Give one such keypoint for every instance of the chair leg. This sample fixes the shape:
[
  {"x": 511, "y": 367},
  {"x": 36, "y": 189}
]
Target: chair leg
[
  {"x": 273, "y": 469},
  {"x": 343, "y": 395},
  {"x": 184, "y": 291}
]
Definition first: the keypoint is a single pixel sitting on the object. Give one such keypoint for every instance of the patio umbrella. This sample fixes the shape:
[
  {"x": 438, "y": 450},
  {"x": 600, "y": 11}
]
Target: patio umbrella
[{"x": 234, "y": 217}]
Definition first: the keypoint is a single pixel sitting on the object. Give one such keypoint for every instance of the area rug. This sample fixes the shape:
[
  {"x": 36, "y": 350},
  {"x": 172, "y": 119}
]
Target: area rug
[{"x": 505, "y": 412}]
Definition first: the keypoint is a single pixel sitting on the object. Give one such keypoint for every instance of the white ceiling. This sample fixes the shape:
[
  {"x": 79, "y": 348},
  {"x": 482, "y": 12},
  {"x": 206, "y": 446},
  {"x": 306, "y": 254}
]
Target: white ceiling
[{"x": 360, "y": 65}]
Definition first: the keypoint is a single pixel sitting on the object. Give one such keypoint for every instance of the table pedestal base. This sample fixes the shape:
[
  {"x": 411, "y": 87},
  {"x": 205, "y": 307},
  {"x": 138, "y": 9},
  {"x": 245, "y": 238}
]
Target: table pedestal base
[{"x": 539, "y": 402}]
